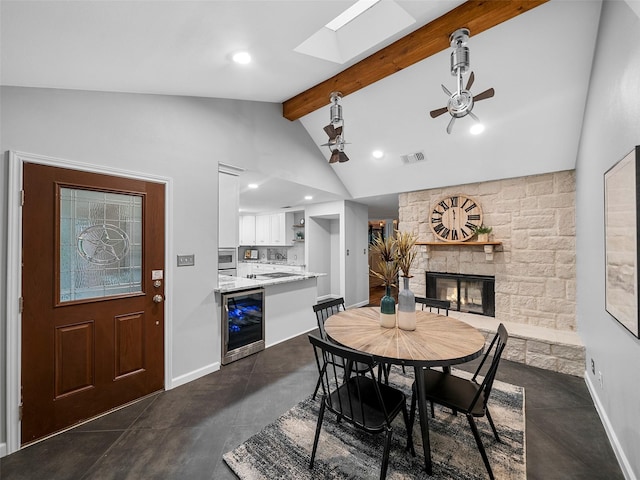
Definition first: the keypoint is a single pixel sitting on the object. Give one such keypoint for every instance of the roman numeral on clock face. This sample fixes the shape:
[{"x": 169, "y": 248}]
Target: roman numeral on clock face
[
  {"x": 470, "y": 207},
  {"x": 454, "y": 218},
  {"x": 470, "y": 226}
]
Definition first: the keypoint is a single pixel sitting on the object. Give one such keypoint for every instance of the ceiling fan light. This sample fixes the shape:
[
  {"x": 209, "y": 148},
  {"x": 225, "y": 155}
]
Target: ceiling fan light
[
  {"x": 243, "y": 58},
  {"x": 476, "y": 129}
]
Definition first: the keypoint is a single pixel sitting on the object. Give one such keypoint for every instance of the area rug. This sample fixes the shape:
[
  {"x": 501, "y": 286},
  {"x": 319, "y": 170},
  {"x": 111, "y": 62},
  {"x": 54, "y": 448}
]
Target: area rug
[{"x": 283, "y": 448}]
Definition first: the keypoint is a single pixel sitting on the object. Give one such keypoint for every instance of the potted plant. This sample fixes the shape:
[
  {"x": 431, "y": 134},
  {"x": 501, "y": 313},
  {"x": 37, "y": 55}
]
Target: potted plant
[
  {"x": 387, "y": 271},
  {"x": 483, "y": 233},
  {"x": 405, "y": 255}
]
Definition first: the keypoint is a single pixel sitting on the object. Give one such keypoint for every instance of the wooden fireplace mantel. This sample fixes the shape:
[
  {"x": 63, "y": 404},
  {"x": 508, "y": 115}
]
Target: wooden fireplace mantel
[
  {"x": 488, "y": 246},
  {"x": 462, "y": 244}
]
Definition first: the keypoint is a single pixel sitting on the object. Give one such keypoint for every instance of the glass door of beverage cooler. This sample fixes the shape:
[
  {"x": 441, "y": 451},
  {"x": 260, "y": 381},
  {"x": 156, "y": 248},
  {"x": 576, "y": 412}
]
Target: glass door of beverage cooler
[{"x": 242, "y": 324}]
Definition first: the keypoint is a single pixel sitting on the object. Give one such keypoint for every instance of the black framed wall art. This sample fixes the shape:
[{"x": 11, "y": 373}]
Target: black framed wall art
[{"x": 621, "y": 221}]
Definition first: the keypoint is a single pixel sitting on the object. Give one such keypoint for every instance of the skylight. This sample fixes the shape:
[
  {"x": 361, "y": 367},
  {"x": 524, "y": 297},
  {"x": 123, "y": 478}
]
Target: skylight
[{"x": 350, "y": 13}]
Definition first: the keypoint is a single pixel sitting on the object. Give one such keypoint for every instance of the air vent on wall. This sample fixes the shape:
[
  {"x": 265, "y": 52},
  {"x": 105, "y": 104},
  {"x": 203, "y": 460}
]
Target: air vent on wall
[{"x": 413, "y": 157}]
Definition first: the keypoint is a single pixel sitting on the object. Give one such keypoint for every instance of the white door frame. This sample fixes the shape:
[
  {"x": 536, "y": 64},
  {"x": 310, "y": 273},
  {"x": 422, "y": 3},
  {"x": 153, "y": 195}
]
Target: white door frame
[{"x": 14, "y": 277}]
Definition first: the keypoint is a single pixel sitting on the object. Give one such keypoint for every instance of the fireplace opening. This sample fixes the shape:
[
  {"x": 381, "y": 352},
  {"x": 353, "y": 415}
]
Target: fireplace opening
[{"x": 467, "y": 293}]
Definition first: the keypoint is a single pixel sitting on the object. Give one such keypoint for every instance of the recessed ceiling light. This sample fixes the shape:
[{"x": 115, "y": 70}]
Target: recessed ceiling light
[
  {"x": 242, "y": 58},
  {"x": 477, "y": 128},
  {"x": 308, "y": 197},
  {"x": 350, "y": 13},
  {"x": 253, "y": 185},
  {"x": 377, "y": 154}
]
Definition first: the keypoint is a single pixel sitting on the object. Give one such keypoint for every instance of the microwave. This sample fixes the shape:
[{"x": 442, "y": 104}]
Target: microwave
[{"x": 227, "y": 258}]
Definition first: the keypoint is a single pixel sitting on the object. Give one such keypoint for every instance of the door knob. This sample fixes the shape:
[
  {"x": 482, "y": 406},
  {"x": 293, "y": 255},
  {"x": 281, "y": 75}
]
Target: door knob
[{"x": 157, "y": 299}]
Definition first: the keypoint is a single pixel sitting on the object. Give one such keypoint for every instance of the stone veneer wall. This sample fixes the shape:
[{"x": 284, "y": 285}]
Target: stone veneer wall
[{"x": 534, "y": 218}]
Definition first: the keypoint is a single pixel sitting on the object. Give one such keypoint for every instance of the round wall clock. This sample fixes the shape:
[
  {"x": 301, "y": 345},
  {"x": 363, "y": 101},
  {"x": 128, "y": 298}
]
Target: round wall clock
[{"x": 454, "y": 218}]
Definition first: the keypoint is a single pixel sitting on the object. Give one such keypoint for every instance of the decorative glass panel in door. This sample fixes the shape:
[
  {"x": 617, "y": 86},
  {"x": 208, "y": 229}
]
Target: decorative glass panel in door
[{"x": 100, "y": 244}]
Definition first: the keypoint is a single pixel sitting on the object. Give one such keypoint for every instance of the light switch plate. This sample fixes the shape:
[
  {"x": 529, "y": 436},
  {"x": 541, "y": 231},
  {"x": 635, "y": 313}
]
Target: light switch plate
[{"x": 186, "y": 260}]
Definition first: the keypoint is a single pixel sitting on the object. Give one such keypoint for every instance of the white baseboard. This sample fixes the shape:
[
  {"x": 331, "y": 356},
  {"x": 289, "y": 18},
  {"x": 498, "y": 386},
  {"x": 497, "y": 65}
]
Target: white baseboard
[
  {"x": 191, "y": 376},
  {"x": 627, "y": 471}
]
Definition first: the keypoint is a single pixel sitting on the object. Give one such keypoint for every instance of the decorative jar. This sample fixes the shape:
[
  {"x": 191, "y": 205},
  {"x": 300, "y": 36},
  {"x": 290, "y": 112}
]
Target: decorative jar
[{"x": 388, "y": 310}]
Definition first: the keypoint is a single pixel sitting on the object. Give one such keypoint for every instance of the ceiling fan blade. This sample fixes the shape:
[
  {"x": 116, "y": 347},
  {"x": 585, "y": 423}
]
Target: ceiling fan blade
[
  {"x": 331, "y": 131},
  {"x": 446, "y": 90},
  {"x": 343, "y": 157},
  {"x": 438, "y": 112},
  {"x": 473, "y": 115},
  {"x": 470, "y": 81},
  {"x": 335, "y": 156},
  {"x": 484, "y": 95},
  {"x": 450, "y": 126}
]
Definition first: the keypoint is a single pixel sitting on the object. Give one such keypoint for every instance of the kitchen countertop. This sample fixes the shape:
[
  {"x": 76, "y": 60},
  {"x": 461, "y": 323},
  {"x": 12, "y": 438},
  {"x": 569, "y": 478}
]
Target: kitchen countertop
[{"x": 227, "y": 283}]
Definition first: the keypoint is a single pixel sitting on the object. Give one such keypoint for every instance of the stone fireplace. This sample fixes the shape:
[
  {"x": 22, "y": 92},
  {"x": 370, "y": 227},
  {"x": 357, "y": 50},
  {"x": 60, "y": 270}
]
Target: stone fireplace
[
  {"x": 533, "y": 268},
  {"x": 467, "y": 293}
]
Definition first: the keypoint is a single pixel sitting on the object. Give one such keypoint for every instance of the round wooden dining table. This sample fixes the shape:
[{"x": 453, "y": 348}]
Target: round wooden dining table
[{"x": 437, "y": 341}]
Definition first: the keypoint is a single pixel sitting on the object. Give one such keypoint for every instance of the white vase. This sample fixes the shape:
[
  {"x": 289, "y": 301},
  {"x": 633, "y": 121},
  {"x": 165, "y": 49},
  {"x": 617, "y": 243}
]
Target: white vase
[{"x": 406, "y": 307}]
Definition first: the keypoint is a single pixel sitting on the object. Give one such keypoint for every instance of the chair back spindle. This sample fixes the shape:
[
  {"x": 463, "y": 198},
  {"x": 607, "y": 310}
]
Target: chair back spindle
[{"x": 434, "y": 303}]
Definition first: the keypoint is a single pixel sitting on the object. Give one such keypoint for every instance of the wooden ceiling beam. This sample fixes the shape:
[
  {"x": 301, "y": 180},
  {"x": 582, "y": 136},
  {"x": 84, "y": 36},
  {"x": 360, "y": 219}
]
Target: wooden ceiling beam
[{"x": 476, "y": 15}]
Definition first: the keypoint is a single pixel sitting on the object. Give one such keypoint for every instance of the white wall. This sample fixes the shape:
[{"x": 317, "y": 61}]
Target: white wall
[
  {"x": 181, "y": 138},
  {"x": 610, "y": 131},
  {"x": 357, "y": 259},
  {"x": 335, "y": 258}
]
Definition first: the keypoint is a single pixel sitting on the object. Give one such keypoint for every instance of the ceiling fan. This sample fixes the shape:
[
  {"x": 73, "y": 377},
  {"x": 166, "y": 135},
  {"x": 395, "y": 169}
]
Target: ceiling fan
[
  {"x": 334, "y": 130},
  {"x": 461, "y": 101}
]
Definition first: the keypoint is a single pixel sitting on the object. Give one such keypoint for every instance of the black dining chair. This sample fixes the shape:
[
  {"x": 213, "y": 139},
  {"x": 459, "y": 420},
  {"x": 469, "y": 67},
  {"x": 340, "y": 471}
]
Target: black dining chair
[
  {"x": 467, "y": 396},
  {"x": 324, "y": 310},
  {"x": 359, "y": 399},
  {"x": 437, "y": 305},
  {"x": 434, "y": 303}
]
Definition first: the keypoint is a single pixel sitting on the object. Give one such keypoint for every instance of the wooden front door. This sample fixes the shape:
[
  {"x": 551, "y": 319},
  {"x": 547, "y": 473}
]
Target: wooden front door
[{"x": 93, "y": 261}]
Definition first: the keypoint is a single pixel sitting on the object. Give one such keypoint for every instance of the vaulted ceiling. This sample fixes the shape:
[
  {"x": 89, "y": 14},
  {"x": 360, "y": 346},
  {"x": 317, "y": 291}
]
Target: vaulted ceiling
[{"x": 538, "y": 62}]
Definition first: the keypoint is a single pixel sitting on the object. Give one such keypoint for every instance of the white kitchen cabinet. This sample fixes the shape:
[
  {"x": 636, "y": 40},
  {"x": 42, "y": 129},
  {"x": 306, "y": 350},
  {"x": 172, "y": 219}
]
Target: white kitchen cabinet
[
  {"x": 278, "y": 231},
  {"x": 263, "y": 229},
  {"x": 259, "y": 268},
  {"x": 229, "y": 200},
  {"x": 271, "y": 229},
  {"x": 247, "y": 230}
]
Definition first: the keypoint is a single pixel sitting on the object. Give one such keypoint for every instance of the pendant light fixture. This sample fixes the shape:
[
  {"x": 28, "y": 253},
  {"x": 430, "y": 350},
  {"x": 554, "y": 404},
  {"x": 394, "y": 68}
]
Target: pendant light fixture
[
  {"x": 461, "y": 101},
  {"x": 335, "y": 131}
]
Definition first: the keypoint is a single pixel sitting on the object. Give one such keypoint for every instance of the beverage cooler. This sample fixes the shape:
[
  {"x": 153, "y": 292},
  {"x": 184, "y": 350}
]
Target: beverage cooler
[{"x": 242, "y": 324}]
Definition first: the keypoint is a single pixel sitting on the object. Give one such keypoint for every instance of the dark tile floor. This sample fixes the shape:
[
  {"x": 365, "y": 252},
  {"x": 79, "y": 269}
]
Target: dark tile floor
[{"x": 182, "y": 433}]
